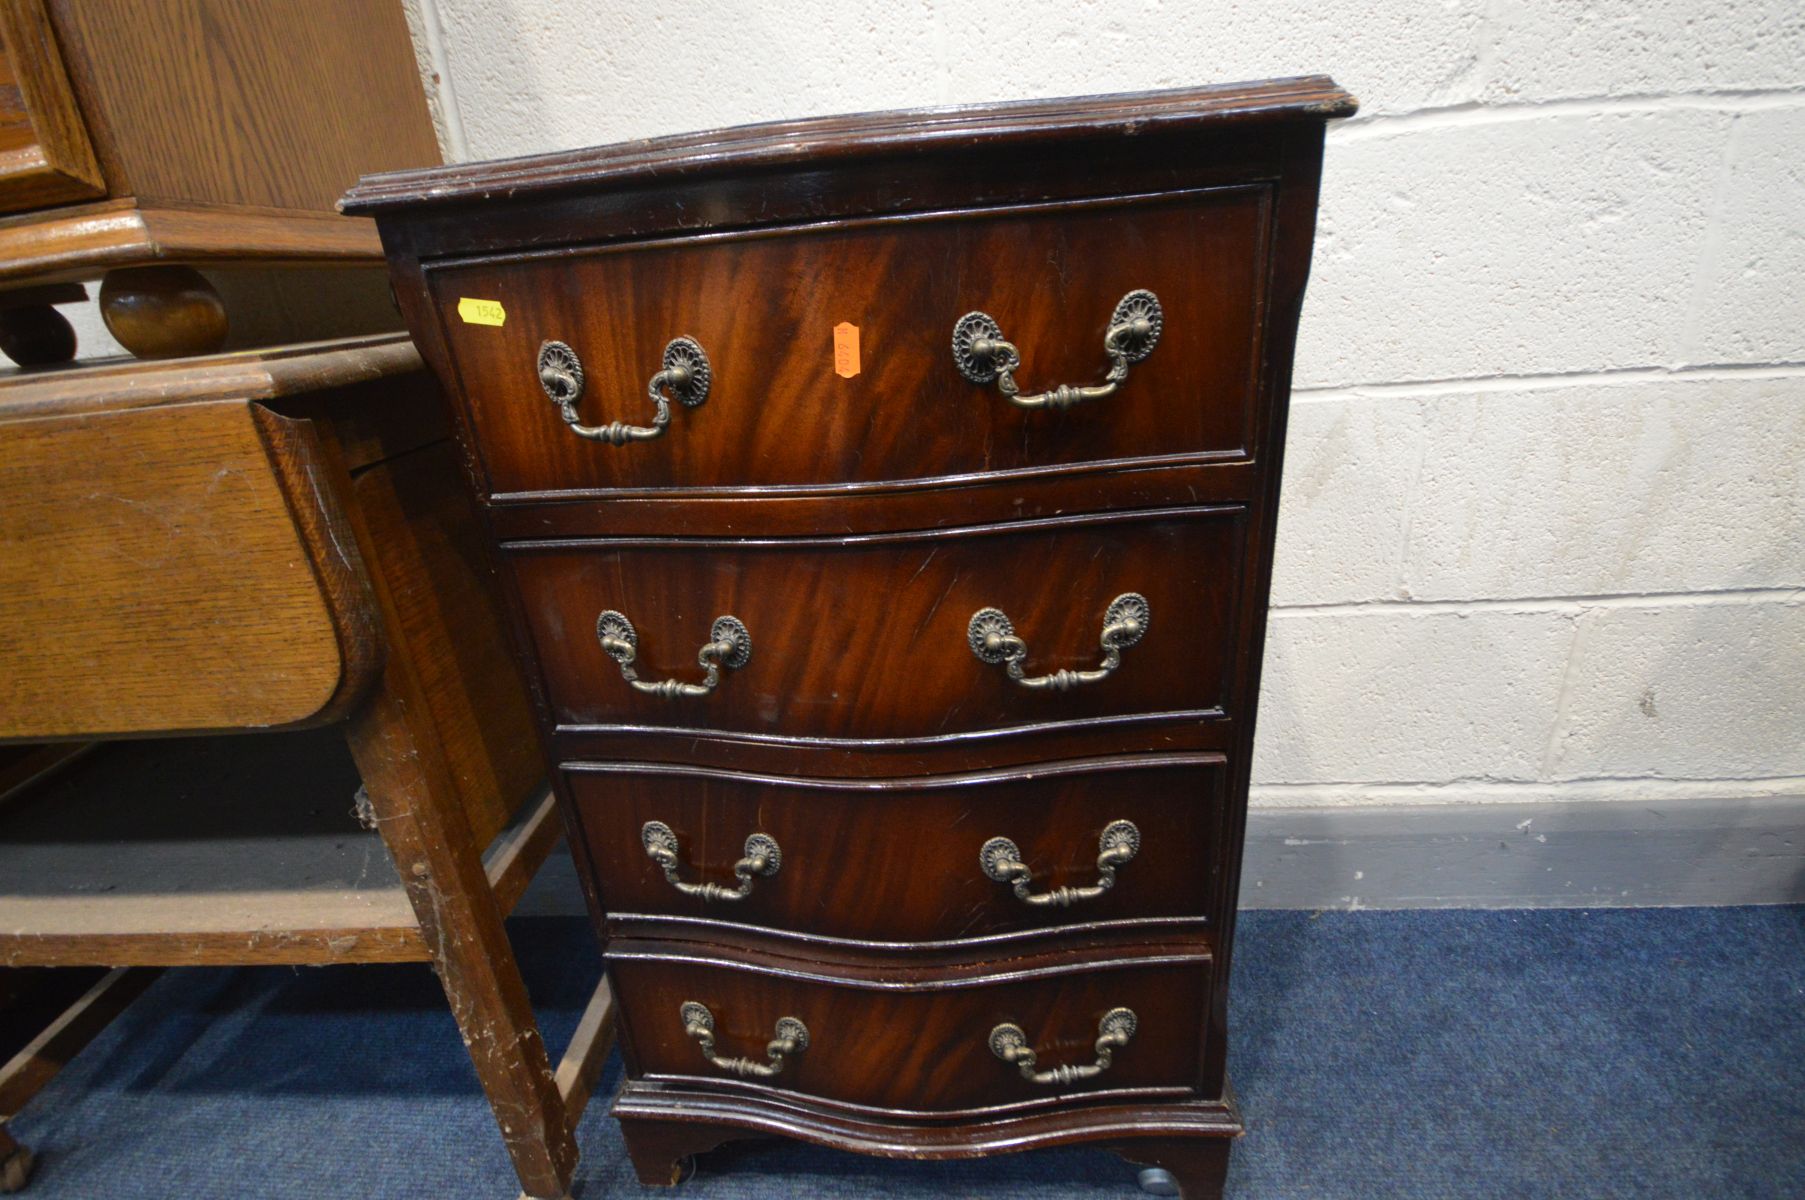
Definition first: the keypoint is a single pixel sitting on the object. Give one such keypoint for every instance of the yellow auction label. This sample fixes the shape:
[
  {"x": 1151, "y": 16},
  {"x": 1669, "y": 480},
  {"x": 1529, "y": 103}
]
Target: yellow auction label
[{"x": 481, "y": 312}]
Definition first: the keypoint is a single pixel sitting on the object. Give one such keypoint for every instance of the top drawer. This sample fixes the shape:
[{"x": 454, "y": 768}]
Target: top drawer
[{"x": 792, "y": 403}]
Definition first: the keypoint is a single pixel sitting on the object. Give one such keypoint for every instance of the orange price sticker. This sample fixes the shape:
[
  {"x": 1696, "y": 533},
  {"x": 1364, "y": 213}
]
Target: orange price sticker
[{"x": 846, "y": 350}]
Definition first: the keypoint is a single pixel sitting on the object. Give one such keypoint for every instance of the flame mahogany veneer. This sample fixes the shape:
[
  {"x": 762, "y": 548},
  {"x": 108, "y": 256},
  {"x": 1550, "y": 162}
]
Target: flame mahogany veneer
[{"x": 853, "y": 509}]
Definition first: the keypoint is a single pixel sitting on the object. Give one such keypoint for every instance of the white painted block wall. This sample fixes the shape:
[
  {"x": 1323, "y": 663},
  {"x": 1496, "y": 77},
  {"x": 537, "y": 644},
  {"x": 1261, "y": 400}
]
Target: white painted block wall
[{"x": 1543, "y": 534}]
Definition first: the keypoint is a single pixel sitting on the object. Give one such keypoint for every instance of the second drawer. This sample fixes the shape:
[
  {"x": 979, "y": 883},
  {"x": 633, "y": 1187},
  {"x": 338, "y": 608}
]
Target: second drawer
[
  {"x": 907, "y": 860},
  {"x": 906, "y": 638}
]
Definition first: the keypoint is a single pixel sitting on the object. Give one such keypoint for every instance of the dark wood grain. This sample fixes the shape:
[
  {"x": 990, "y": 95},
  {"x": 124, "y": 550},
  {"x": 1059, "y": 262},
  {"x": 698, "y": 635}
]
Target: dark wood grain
[
  {"x": 896, "y": 860},
  {"x": 931, "y": 504},
  {"x": 777, "y": 413},
  {"x": 912, "y": 1047},
  {"x": 978, "y": 750},
  {"x": 865, "y": 638},
  {"x": 16, "y": 1162},
  {"x": 1301, "y": 150}
]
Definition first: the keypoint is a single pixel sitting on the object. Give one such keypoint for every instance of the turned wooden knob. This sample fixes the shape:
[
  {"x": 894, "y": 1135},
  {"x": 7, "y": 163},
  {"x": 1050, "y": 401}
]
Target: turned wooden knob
[
  {"x": 163, "y": 312},
  {"x": 32, "y": 332},
  {"x": 36, "y": 335}
]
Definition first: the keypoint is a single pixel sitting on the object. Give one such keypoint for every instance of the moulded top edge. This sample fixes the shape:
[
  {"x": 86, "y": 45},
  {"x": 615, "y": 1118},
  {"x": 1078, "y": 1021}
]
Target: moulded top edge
[{"x": 859, "y": 135}]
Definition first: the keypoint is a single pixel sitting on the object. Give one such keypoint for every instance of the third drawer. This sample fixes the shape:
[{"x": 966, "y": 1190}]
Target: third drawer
[{"x": 922, "y": 860}]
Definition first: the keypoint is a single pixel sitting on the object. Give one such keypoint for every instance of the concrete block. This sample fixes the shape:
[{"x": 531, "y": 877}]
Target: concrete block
[
  {"x": 1565, "y": 243},
  {"x": 1395, "y": 56},
  {"x": 1561, "y": 49},
  {"x": 1350, "y": 474},
  {"x": 1605, "y": 489},
  {"x": 1386, "y": 696},
  {"x": 1615, "y": 488},
  {"x": 1749, "y": 305},
  {"x": 554, "y": 74},
  {"x": 1685, "y": 691}
]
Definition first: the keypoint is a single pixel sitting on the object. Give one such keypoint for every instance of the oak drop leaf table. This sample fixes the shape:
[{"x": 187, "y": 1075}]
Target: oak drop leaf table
[{"x": 271, "y": 541}]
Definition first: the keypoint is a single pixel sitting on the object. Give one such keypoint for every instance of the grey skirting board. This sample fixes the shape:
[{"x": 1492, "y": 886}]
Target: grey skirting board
[{"x": 1583, "y": 854}]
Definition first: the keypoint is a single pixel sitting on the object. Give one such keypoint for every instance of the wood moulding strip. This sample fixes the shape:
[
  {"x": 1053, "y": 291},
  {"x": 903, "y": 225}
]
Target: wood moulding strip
[{"x": 85, "y": 241}]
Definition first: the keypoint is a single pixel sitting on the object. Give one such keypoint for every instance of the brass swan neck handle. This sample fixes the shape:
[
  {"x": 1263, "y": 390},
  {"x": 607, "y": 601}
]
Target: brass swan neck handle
[
  {"x": 791, "y": 1038},
  {"x": 729, "y": 646},
  {"x": 763, "y": 858},
  {"x": 992, "y": 638},
  {"x": 684, "y": 373},
  {"x": 1114, "y": 1031},
  {"x": 1002, "y": 861},
  {"x": 984, "y": 355}
]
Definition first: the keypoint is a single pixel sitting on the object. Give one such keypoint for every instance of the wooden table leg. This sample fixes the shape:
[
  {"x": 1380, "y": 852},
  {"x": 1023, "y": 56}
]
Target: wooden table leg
[
  {"x": 432, "y": 736},
  {"x": 37, "y": 1063},
  {"x": 15, "y": 1163},
  {"x": 420, "y": 819}
]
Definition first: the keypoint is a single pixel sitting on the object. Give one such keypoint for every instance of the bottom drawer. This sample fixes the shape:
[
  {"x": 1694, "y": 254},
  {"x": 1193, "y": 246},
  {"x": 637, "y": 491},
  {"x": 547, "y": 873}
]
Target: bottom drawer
[{"x": 921, "y": 1044}]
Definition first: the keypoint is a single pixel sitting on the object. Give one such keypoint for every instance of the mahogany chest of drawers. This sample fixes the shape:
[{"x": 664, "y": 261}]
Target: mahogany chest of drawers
[{"x": 886, "y": 505}]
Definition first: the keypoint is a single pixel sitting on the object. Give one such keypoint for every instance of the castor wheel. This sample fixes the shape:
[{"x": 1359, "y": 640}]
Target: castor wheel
[
  {"x": 1157, "y": 1181},
  {"x": 684, "y": 1169},
  {"x": 15, "y": 1167}
]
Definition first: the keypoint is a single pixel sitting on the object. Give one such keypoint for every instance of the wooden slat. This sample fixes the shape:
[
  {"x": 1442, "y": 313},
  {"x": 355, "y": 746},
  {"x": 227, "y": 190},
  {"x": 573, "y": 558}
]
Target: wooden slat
[
  {"x": 288, "y": 947},
  {"x": 582, "y": 1063},
  {"x": 25, "y": 1074},
  {"x": 222, "y": 850},
  {"x": 24, "y": 765},
  {"x": 520, "y": 850},
  {"x": 201, "y": 851}
]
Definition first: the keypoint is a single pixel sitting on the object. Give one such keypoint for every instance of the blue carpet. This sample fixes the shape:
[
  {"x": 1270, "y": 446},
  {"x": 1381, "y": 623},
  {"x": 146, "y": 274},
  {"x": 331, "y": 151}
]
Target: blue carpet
[{"x": 1577, "y": 1053}]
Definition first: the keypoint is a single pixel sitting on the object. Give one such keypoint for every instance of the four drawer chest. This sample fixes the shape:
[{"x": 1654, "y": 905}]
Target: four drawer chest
[{"x": 886, "y": 506}]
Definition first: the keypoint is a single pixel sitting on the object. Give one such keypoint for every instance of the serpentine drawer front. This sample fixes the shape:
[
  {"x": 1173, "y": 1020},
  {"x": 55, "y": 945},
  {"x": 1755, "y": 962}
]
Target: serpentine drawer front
[
  {"x": 886, "y": 505},
  {"x": 872, "y": 637},
  {"x": 761, "y": 309},
  {"x": 919, "y": 1046},
  {"x": 930, "y": 859}
]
